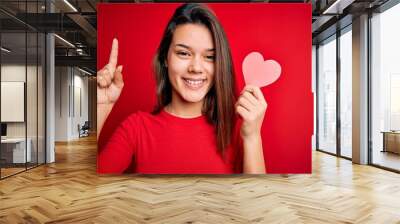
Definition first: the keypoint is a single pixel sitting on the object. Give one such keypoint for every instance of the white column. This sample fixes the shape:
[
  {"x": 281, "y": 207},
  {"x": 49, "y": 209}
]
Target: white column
[{"x": 50, "y": 93}]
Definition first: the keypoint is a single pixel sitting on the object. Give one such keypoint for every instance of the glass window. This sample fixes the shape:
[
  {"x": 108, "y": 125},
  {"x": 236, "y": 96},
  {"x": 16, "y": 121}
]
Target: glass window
[
  {"x": 346, "y": 93},
  {"x": 22, "y": 92},
  {"x": 14, "y": 153},
  {"x": 31, "y": 97},
  {"x": 327, "y": 96},
  {"x": 385, "y": 88}
]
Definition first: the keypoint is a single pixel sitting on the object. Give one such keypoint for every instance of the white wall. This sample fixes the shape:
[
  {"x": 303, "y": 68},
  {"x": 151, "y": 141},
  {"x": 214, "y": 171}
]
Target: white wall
[
  {"x": 81, "y": 102},
  {"x": 314, "y": 86},
  {"x": 33, "y": 127},
  {"x": 16, "y": 73},
  {"x": 61, "y": 103},
  {"x": 71, "y": 93}
]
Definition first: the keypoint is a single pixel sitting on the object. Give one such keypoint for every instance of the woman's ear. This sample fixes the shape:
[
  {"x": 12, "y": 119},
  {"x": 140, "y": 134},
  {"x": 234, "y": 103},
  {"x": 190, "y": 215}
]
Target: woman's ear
[{"x": 165, "y": 63}]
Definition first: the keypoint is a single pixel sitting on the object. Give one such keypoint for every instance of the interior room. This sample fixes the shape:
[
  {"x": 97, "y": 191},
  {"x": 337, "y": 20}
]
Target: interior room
[{"x": 49, "y": 138}]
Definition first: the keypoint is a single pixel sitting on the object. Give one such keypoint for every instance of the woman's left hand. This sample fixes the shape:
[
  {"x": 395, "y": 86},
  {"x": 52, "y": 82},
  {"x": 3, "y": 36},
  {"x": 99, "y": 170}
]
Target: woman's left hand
[{"x": 251, "y": 106}]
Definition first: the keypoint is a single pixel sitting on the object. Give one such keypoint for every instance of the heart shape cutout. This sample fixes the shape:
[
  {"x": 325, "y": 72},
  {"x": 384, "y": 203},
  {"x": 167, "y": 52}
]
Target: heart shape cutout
[{"x": 258, "y": 72}]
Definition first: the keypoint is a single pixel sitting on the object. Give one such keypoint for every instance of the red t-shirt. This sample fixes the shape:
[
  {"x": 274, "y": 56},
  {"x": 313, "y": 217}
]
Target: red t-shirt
[{"x": 166, "y": 144}]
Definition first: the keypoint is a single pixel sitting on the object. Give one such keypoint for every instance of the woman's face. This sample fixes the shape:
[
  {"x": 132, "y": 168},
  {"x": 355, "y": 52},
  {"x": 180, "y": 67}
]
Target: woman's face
[{"x": 190, "y": 62}]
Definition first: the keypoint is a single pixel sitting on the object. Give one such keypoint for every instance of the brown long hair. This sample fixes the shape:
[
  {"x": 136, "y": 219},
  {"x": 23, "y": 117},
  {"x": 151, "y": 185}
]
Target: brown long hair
[{"x": 219, "y": 102}]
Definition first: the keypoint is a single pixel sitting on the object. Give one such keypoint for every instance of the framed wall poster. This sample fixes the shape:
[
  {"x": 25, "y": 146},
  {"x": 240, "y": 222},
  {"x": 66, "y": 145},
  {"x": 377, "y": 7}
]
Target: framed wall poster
[{"x": 279, "y": 33}]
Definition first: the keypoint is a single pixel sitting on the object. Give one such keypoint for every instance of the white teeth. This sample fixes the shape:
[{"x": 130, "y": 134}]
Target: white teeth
[{"x": 194, "y": 82}]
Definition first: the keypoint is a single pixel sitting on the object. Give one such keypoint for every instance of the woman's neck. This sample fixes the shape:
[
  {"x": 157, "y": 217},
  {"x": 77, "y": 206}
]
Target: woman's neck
[{"x": 184, "y": 109}]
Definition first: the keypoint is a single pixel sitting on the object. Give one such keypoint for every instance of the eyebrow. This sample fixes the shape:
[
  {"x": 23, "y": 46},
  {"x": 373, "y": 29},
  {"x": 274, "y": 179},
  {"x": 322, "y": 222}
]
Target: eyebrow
[{"x": 189, "y": 48}]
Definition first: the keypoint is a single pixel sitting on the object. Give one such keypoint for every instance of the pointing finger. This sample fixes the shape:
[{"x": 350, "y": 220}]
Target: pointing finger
[{"x": 113, "y": 56}]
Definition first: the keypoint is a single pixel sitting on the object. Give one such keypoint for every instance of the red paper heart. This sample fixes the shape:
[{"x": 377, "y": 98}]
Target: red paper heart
[{"x": 258, "y": 72}]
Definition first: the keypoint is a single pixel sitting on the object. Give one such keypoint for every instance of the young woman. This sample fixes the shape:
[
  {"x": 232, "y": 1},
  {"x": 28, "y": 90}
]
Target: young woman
[{"x": 193, "y": 128}]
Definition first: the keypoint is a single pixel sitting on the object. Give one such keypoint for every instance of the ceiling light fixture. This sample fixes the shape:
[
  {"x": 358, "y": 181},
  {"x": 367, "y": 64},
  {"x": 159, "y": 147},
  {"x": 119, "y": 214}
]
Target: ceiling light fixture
[
  {"x": 84, "y": 71},
  {"x": 65, "y": 41},
  {"x": 70, "y": 5},
  {"x": 5, "y": 50},
  {"x": 337, "y": 7}
]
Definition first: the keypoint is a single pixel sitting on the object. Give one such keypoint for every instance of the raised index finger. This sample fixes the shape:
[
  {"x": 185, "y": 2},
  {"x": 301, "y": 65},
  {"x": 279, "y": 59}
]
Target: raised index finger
[{"x": 114, "y": 54}]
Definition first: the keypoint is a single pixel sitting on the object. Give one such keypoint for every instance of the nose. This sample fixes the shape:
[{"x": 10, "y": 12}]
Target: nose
[{"x": 196, "y": 65}]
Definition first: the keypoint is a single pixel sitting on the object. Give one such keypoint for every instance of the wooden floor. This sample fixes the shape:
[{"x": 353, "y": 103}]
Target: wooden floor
[
  {"x": 387, "y": 159},
  {"x": 5, "y": 172},
  {"x": 70, "y": 191}
]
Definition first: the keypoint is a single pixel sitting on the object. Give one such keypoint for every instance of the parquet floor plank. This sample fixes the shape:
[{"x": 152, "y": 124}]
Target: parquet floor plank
[{"x": 70, "y": 191}]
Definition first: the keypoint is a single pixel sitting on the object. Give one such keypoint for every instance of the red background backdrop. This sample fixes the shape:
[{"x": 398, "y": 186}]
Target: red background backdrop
[{"x": 278, "y": 31}]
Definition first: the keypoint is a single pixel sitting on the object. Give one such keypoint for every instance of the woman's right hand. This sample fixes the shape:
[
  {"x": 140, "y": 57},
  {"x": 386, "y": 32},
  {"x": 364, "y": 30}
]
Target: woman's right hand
[
  {"x": 109, "y": 86},
  {"x": 109, "y": 79}
]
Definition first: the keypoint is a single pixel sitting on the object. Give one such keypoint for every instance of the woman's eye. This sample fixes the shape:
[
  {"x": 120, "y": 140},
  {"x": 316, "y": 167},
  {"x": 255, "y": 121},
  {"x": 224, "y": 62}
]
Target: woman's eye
[
  {"x": 210, "y": 57},
  {"x": 182, "y": 53}
]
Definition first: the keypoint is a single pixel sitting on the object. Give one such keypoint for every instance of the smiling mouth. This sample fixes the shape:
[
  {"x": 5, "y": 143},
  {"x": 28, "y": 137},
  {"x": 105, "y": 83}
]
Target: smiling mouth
[{"x": 194, "y": 83}]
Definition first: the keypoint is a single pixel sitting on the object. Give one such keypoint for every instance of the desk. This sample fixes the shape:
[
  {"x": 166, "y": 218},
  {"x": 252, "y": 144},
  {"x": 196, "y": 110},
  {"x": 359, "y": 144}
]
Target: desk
[
  {"x": 13, "y": 150},
  {"x": 391, "y": 141}
]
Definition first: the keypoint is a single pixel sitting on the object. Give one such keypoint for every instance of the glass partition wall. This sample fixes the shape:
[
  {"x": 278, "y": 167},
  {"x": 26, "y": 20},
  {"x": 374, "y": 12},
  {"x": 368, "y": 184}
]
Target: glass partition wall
[
  {"x": 385, "y": 89},
  {"x": 334, "y": 90},
  {"x": 327, "y": 95},
  {"x": 345, "y": 93},
  {"x": 22, "y": 88},
  {"x": 334, "y": 94}
]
